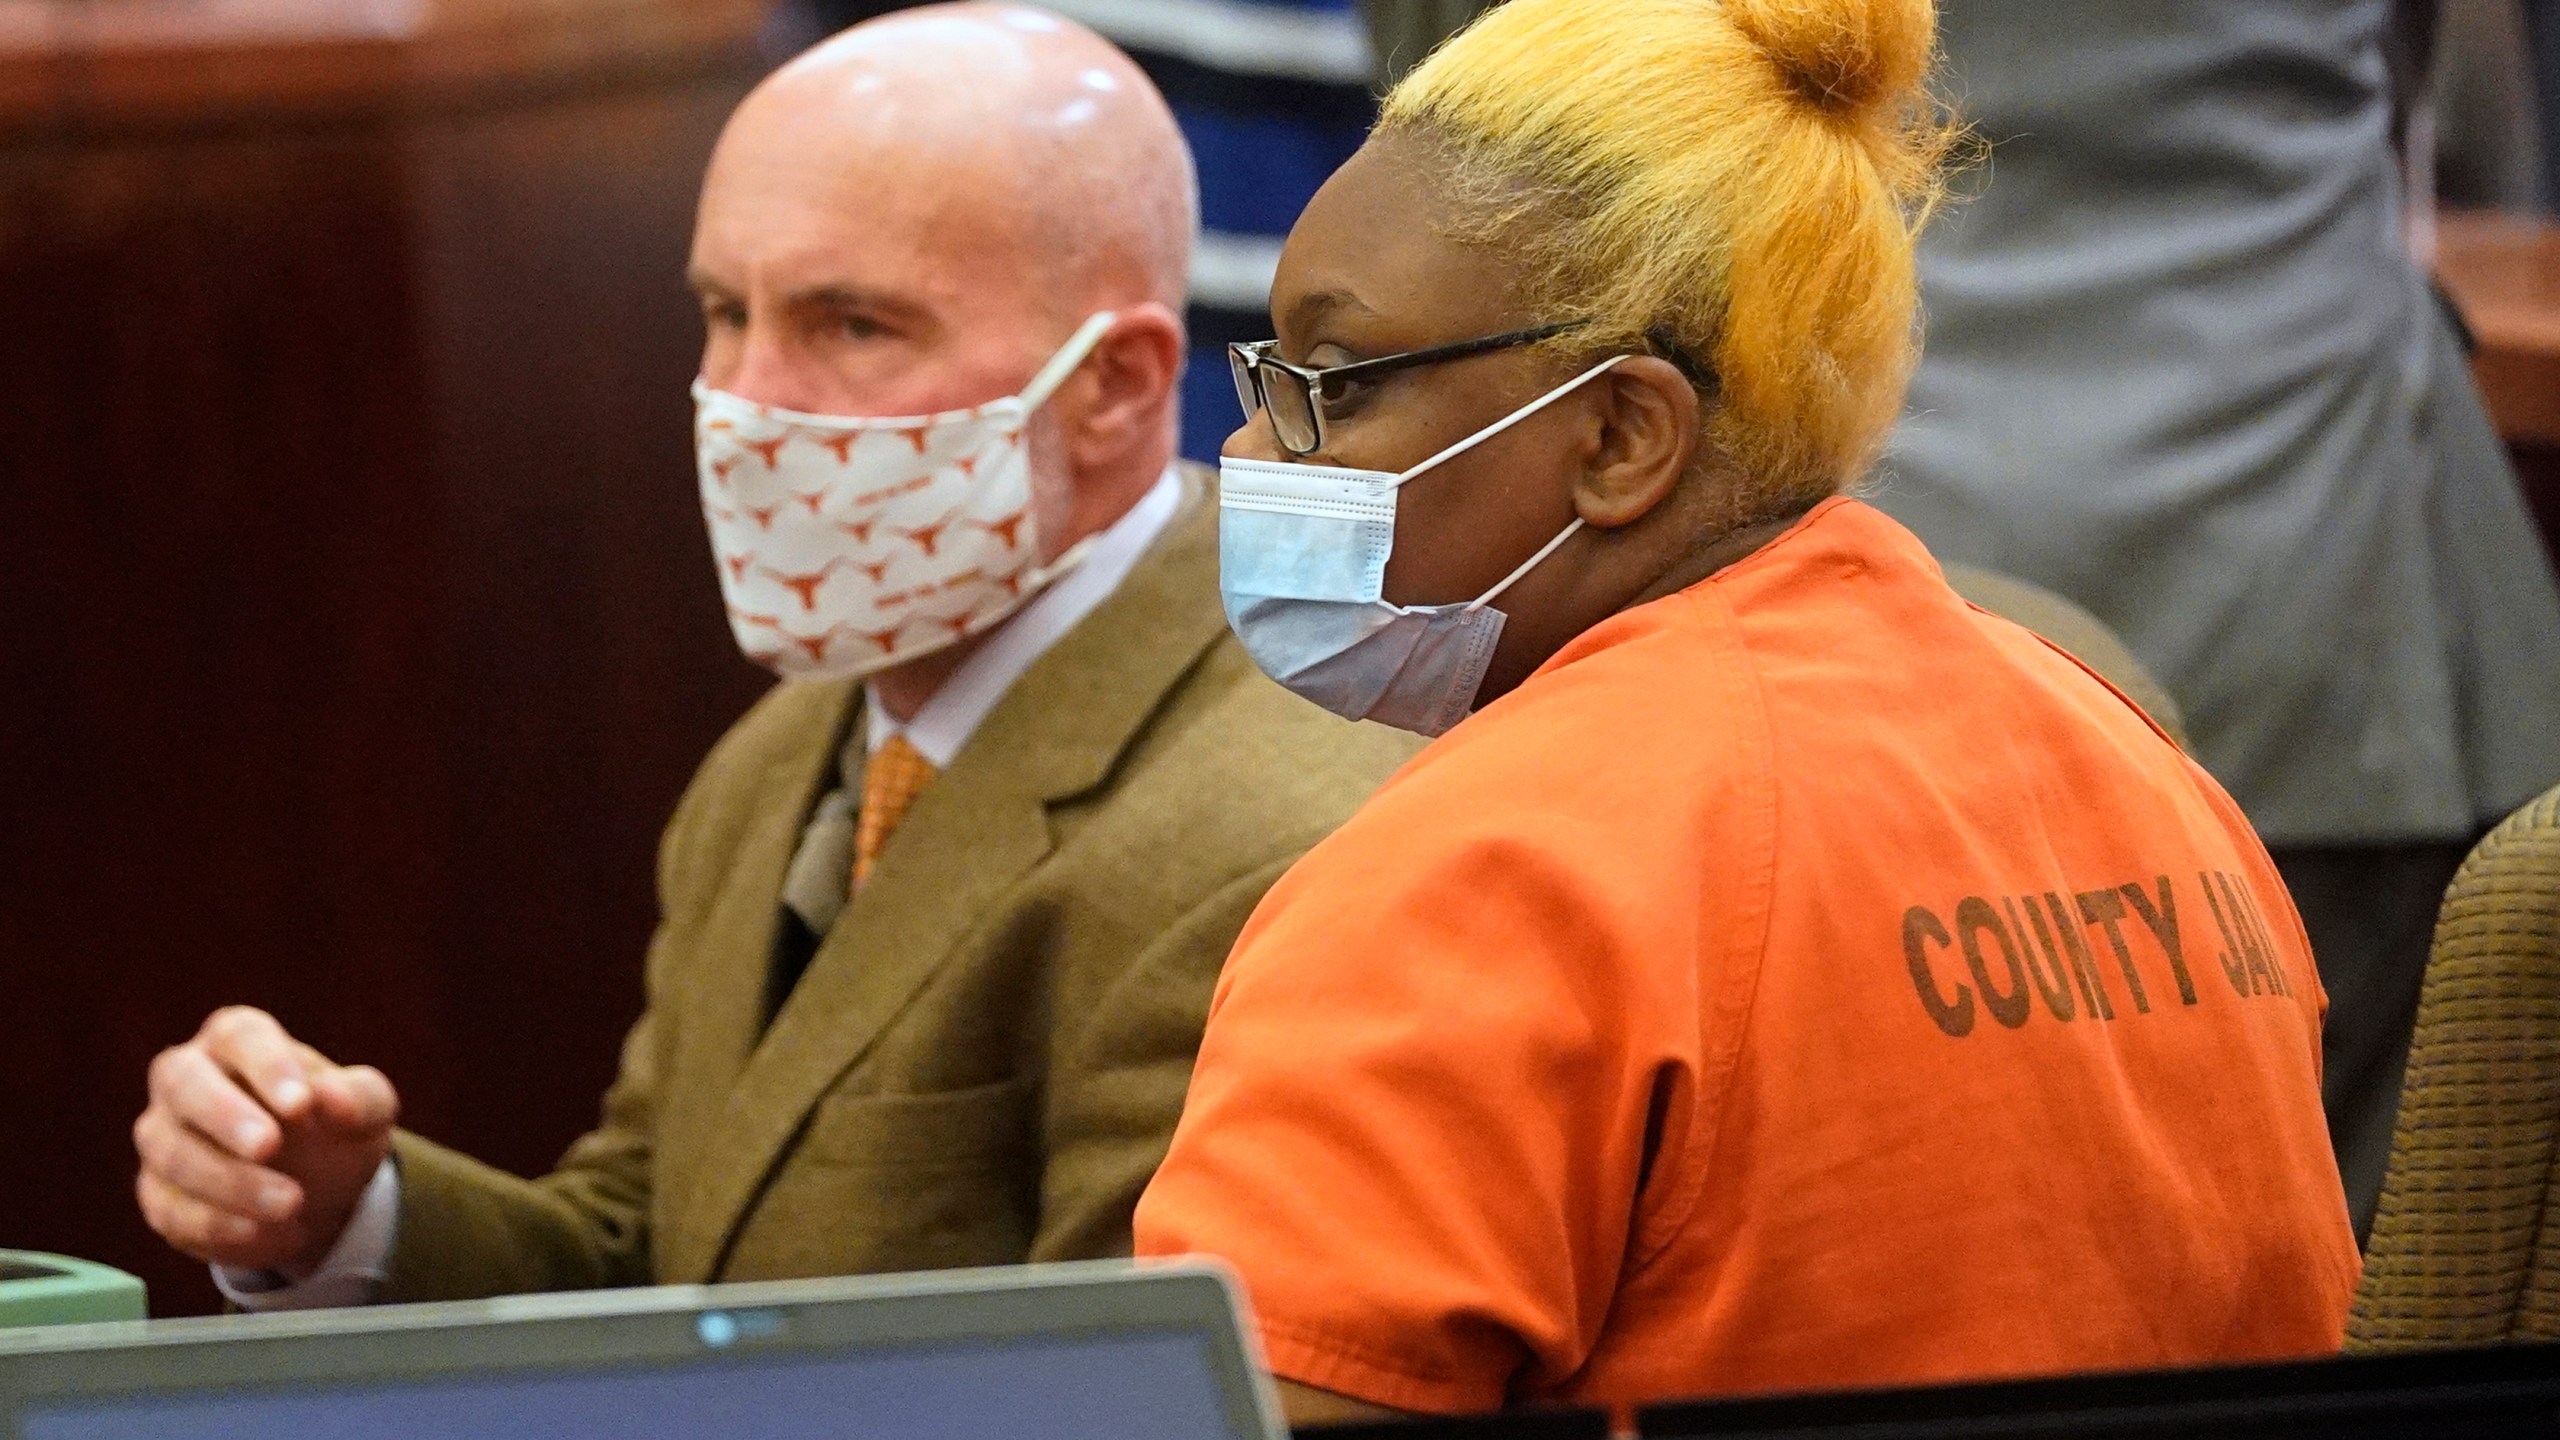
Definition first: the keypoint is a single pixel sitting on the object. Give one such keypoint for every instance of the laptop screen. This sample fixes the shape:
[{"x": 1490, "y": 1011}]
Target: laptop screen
[{"x": 1107, "y": 1387}]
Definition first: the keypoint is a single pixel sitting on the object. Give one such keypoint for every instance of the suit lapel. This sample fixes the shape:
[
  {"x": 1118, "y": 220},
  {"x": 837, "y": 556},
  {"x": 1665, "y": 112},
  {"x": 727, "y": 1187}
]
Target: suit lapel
[
  {"x": 970, "y": 838},
  {"x": 723, "y": 994}
]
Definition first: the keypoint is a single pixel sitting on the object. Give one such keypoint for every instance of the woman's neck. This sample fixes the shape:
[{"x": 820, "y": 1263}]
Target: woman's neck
[{"x": 1700, "y": 561}]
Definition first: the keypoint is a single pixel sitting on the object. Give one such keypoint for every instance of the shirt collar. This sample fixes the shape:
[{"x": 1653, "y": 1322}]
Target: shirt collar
[{"x": 953, "y": 714}]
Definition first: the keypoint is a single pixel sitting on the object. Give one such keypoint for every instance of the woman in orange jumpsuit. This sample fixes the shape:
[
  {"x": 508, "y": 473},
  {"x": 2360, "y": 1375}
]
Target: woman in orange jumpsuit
[{"x": 1778, "y": 973}]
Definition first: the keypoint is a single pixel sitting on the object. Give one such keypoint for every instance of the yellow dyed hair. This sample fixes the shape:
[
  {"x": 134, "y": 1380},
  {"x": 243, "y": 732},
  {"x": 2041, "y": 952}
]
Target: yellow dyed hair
[{"x": 1744, "y": 178}]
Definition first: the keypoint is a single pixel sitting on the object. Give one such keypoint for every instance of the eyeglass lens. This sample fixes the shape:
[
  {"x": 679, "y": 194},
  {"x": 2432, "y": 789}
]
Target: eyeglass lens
[
  {"x": 1291, "y": 400},
  {"x": 1248, "y": 394},
  {"x": 1288, "y": 396}
]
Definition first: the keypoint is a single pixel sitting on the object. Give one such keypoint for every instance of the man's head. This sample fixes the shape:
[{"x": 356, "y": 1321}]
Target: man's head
[{"x": 913, "y": 216}]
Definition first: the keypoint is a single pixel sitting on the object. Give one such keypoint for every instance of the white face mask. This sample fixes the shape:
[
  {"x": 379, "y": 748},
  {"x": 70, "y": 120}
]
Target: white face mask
[
  {"x": 1302, "y": 566},
  {"x": 849, "y": 545}
]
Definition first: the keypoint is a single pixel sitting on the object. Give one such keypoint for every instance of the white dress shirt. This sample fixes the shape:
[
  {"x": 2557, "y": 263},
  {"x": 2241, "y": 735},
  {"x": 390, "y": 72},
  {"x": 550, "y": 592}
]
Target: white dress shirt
[
  {"x": 351, "y": 1274},
  {"x": 946, "y": 721},
  {"x": 353, "y": 1271}
]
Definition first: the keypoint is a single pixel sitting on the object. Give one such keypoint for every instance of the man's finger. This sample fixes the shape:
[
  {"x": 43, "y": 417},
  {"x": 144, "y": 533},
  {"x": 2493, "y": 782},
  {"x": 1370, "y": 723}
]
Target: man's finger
[
  {"x": 209, "y": 1099},
  {"x": 191, "y": 1225},
  {"x": 250, "y": 1044},
  {"x": 193, "y": 1165},
  {"x": 355, "y": 1098}
]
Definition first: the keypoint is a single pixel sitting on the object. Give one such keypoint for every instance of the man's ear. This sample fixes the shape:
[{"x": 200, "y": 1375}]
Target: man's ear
[
  {"x": 1649, "y": 420},
  {"x": 1121, "y": 394}
]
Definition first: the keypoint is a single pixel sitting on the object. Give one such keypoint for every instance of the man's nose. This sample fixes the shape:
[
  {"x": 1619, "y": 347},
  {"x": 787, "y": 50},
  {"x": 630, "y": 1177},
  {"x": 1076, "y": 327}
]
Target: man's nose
[{"x": 771, "y": 372}]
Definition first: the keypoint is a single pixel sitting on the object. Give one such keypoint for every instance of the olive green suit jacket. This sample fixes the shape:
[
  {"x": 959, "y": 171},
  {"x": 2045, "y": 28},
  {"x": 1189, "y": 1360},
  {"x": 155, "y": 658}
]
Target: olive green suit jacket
[{"x": 984, "y": 1061}]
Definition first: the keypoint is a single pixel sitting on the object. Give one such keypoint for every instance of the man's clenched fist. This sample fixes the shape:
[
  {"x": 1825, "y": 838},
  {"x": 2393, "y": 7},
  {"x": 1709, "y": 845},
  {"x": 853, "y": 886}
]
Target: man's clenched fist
[{"x": 256, "y": 1147}]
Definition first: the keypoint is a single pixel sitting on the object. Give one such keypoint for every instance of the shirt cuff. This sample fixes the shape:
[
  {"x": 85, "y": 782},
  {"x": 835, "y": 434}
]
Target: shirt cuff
[{"x": 350, "y": 1274}]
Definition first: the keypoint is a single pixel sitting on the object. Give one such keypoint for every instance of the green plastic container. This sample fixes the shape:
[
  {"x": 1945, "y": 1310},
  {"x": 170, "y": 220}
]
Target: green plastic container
[{"x": 57, "y": 1290}]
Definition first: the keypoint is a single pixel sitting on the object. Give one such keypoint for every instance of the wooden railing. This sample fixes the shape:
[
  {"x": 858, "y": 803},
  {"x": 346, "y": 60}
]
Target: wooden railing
[{"x": 91, "y": 62}]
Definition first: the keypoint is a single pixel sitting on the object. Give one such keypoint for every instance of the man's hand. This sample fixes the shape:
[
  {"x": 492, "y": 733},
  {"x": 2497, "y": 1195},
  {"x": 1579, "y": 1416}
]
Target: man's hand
[{"x": 256, "y": 1147}]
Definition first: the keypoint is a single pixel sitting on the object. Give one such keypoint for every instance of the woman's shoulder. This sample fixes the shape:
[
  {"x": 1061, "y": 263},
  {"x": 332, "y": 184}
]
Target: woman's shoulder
[{"x": 1629, "y": 756}]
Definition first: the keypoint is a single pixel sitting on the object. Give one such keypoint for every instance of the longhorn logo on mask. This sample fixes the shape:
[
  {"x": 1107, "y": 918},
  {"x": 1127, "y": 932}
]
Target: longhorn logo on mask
[{"x": 847, "y": 545}]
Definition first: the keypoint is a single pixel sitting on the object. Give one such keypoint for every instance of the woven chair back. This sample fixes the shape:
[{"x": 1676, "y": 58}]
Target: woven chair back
[{"x": 2466, "y": 1246}]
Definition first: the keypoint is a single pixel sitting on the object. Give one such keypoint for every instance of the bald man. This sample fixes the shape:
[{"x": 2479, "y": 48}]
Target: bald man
[{"x": 942, "y": 914}]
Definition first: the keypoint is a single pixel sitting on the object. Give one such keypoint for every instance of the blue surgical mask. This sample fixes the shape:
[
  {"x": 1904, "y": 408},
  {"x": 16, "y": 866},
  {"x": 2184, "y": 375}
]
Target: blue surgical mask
[{"x": 1302, "y": 564}]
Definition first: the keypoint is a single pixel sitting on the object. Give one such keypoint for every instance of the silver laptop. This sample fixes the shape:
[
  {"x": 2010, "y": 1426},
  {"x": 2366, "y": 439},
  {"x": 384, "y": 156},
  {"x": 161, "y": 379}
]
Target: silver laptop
[{"x": 1104, "y": 1351}]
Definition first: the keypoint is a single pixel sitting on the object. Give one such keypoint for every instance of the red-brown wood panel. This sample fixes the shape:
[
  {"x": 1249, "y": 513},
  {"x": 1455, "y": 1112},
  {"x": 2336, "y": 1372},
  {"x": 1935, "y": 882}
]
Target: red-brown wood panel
[{"x": 357, "y": 628}]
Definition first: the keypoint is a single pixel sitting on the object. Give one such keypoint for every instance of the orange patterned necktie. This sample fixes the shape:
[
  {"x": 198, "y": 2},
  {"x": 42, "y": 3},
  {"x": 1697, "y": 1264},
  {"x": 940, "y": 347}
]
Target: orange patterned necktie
[{"x": 892, "y": 778}]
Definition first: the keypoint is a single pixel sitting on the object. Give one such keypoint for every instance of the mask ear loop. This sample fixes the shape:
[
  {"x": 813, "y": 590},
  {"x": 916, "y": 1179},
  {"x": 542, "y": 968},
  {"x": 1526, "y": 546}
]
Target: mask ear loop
[
  {"x": 1514, "y": 418},
  {"x": 1079, "y": 346},
  {"x": 1532, "y": 563},
  {"x": 1496, "y": 428},
  {"x": 1063, "y": 364}
]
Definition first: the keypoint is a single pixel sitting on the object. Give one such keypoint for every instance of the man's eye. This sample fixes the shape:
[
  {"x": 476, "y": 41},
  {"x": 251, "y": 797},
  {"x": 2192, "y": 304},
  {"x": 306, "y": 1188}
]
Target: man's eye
[
  {"x": 863, "y": 327},
  {"x": 724, "y": 315}
]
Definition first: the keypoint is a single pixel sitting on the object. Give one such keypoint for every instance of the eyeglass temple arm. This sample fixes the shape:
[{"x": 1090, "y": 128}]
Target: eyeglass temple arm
[{"x": 1464, "y": 348}]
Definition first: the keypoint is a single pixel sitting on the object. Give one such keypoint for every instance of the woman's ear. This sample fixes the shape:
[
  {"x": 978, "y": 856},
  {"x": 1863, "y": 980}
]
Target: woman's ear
[{"x": 1648, "y": 435}]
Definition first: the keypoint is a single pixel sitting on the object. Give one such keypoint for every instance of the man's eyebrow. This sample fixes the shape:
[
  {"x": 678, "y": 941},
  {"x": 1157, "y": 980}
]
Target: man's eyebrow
[
  {"x": 848, "y": 297},
  {"x": 822, "y": 296}
]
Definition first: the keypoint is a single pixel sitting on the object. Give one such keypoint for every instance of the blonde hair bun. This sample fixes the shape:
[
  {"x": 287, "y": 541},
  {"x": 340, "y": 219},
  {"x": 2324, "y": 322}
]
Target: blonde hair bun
[
  {"x": 1849, "y": 56},
  {"x": 1744, "y": 178}
]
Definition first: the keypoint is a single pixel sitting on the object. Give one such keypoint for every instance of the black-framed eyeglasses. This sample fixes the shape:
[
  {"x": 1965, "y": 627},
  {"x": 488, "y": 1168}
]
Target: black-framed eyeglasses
[{"x": 1294, "y": 394}]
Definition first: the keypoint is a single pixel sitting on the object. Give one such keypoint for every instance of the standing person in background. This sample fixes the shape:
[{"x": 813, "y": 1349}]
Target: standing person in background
[
  {"x": 1403, "y": 32},
  {"x": 2542, "y": 29},
  {"x": 2480, "y": 94},
  {"x": 2181, "y": 369},
  {"x": 1271, "y": 95}
]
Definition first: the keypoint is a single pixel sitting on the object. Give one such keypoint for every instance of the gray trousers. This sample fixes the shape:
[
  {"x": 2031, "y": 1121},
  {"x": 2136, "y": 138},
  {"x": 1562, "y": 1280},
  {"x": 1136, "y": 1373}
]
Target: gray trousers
[{"x": 2371, "y": 914}]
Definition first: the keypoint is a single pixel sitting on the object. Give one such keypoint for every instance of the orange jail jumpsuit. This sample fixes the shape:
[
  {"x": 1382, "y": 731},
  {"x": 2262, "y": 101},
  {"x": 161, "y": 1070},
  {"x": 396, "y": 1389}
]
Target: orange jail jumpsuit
[{"x": 1803, "y": 980}]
